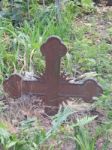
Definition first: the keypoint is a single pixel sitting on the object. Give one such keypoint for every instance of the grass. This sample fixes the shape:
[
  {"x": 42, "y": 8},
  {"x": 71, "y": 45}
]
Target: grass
[
  {"x": 22, "y": 44},
  {"x": 89, "y": 51}
]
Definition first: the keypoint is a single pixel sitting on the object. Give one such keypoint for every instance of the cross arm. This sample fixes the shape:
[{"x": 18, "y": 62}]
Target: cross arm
[
  {"x": 86, "y": 90},
  {"x": 16, "y": 86}
]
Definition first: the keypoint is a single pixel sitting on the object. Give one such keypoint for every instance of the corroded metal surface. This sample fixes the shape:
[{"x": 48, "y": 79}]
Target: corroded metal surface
[{"x": 52, "y": 86}]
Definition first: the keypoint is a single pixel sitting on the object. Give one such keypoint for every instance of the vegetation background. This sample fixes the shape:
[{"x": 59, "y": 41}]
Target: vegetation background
[{"x": 87, "y": 32}]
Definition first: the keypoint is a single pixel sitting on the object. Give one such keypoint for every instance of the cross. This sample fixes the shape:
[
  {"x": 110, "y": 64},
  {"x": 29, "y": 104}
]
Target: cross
[{"x": 54, "y": 87}]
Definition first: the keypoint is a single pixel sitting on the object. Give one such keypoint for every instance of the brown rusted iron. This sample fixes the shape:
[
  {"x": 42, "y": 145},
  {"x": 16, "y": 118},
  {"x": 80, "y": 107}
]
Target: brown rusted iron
[{"x": 54, "y": 88}]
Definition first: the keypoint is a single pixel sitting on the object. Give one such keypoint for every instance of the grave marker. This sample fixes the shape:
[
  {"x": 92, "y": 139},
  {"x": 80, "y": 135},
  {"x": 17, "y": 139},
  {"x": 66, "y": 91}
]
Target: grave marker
[{"x": 52, "y": 86}]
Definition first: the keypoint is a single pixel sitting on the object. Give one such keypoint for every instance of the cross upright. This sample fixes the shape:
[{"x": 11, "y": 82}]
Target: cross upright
[{"x": 52, "y": 86}]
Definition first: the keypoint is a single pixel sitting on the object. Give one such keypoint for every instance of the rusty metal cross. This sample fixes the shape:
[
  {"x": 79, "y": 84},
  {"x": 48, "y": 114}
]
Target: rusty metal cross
[{"x": 52, "y": 85}]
